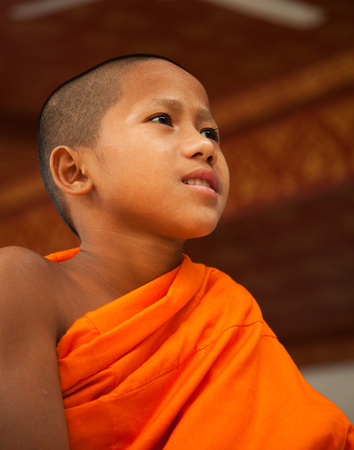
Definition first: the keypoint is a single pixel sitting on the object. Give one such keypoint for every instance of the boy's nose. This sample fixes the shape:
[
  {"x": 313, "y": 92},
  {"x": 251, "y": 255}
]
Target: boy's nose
[{"x": 201, "y": 147}]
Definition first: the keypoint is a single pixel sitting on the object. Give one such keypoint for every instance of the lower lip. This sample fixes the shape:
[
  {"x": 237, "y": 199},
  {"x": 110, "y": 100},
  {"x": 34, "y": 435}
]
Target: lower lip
[{"x": 202, "y": 189}]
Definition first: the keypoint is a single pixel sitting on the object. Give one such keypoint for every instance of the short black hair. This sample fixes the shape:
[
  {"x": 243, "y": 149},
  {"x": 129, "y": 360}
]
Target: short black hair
[{"x": 73, "y": 113}]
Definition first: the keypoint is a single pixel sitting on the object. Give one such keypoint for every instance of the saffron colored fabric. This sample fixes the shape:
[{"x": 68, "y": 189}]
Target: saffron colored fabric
[{"x": 187, "y": 362}]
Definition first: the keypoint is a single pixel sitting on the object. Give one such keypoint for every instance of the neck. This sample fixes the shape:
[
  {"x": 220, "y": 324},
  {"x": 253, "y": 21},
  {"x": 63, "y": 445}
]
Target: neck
[{"x": 123, "y": 263}]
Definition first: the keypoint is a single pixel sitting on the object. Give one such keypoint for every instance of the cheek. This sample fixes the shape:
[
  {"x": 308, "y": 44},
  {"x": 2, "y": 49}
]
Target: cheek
[{"x": 224, "y": 177}]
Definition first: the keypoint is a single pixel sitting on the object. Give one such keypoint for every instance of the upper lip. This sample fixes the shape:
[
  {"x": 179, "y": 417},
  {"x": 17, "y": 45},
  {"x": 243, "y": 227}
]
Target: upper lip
[{"x": 204, "y": 174}]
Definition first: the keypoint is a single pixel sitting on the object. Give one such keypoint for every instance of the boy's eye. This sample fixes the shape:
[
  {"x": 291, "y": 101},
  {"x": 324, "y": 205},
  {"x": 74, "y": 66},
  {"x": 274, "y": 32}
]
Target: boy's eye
[
  {"x": 164, "y": 119},
  {"x": 211, "y": 133}
]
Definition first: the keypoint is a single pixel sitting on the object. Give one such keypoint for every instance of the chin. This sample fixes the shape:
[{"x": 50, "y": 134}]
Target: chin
[{"x": 200, "y": 230}]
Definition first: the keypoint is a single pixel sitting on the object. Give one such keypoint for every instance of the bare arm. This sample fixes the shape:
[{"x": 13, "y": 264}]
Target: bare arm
[{"x": 31, "y": 406}]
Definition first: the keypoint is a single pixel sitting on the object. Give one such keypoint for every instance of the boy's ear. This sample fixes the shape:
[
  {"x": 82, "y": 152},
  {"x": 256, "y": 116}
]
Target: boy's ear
[{"x": 69, "y": 176}]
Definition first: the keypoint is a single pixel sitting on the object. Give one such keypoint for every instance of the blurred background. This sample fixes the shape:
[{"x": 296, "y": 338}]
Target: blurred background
[{"x": 280, "y": 77}]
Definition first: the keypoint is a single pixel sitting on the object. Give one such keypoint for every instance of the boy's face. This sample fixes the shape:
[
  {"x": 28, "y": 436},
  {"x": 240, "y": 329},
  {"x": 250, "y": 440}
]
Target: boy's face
[{"x": 157, "y": 145}]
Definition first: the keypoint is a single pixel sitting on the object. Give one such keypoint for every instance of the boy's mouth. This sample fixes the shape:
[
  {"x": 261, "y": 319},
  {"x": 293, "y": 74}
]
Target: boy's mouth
[
  {"x": 202, "y": 177},
  {"x": 197, "y": 181}
]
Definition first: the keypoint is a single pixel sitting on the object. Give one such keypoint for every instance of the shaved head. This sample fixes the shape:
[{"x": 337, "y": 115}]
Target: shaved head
[{"x": 73, "y": 113}]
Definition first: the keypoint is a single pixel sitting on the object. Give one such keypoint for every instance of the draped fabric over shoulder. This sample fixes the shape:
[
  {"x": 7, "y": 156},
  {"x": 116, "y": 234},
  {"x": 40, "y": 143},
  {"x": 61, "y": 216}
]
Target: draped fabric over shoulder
[{"x": 187, "y": 362}]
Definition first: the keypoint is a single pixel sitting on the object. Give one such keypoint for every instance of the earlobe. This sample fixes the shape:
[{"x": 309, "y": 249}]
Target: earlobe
[{"x": 67, "y": 172}]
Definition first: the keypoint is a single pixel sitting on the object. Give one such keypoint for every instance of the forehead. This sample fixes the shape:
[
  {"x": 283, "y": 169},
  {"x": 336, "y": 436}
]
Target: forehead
[{"x": 157, "y": 78}]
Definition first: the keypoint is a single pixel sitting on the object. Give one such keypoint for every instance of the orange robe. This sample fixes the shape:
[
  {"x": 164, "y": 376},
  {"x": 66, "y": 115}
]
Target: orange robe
[{"x": 187, "y": 362}]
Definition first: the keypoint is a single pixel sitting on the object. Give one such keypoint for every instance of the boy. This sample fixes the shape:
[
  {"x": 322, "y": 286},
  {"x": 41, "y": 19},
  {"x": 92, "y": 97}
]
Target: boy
[{"x": 153, "y": 350}]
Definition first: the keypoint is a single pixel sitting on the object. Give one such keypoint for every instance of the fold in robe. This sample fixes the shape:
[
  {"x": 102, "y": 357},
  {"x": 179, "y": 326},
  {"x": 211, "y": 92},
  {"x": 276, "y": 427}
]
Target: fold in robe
[{"x": 187, "y": 362}]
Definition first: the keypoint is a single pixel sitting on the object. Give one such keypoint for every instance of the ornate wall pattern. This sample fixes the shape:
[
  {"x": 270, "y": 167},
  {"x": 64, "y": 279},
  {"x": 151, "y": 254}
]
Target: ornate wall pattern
[{"x": 296, "y": 155}]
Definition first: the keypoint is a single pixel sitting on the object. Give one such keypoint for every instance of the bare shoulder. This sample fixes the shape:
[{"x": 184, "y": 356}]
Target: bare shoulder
[
  {"x": 12, "y": 258},
  {"x": 25, "y": 279},
  {"x": 16, "y": 255},
  {"x": 21, "y": 268},
  {"x": 31, "y": 411}
]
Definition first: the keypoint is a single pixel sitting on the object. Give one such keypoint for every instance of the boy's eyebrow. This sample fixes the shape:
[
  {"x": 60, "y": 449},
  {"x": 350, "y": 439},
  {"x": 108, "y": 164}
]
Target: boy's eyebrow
[{"x": 203, "y": 114}]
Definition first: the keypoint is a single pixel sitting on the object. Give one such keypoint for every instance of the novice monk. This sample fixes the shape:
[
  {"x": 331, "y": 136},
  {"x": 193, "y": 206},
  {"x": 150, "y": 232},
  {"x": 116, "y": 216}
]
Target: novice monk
[{"x": 154, "y": 351}]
